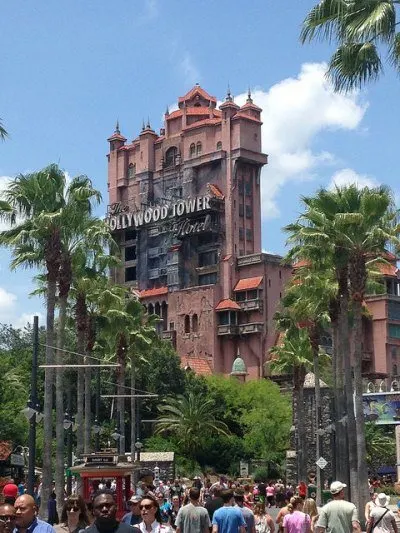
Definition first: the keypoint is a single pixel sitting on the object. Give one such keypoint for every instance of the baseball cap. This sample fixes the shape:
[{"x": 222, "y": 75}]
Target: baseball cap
[
  {"x": 10, "y": 490},
  {"x": 337, "y": 486},
  {"x": 135, "y": 499}
]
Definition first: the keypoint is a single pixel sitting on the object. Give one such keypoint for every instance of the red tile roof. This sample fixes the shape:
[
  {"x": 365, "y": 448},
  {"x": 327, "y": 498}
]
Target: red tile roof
[
  {"x": 248, "y": 283},
  {"x": 196, "y": 90},
  {"x": 148, "y": 293},
  {"x": 195, "y": 111},
  {"x": 199, "y": 365},
  {"x": 225, "y": 305},
  {"x": 116, "y": 137},
  {"x": 249, "y": 105},
  {"x": 387, "y": 270},
  {"x": 205, "y": 122},
  {"x": 301, "y": 264},
  {"x": 215, "y": 191},
  {"x": 247, "y": 117},
  {"x": 227, "y": 257}
]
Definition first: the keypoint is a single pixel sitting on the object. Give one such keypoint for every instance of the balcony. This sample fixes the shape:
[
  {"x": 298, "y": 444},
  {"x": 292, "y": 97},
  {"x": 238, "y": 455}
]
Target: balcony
[
  {"x": 169, "y": 335},
  {"x": 228, "y": 329},
  {"x": 254, "y": 327},
  {"x": 251, "y": 305},
  {"x": 156, "y": 252},
  {"x": 153, "y": 273},
  {"x": 249, "y": 260}
]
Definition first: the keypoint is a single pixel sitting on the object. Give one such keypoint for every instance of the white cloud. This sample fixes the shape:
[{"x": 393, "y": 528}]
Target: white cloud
[
  {"x": 189, "y": 69},
  {"x": 7, "y": 301},
  {"x": 295, "y": 111},
  {"x": 27, "y": 318},
  {"x": 348, "y": 176}
]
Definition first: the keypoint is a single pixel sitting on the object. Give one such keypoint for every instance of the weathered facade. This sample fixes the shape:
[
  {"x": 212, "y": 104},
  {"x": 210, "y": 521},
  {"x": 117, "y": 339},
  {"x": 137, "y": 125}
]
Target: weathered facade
[{"x": 184, "y": 206}]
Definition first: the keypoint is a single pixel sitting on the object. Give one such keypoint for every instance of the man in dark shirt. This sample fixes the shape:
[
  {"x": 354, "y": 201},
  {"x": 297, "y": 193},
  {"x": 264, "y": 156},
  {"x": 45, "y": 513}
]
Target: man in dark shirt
[
  {"x": 134, "y": 517},
  {"x": 215, "y": 502},
  {"x": 104, "y": 512}
]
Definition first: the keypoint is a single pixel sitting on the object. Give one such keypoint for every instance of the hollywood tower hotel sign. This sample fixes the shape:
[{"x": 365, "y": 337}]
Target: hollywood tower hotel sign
[
  {"x": 184, "y": 207},
  {"x": 119, "y": 217}
]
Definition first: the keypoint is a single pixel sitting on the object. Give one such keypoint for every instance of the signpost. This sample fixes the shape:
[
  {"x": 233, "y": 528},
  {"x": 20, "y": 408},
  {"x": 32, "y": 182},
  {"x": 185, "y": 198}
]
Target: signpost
[
  {"x": 244, "y": 469},
  {"x": 321, "y": 463}
]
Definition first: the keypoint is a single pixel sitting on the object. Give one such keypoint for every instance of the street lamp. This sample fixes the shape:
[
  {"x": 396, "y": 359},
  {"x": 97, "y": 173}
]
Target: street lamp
[
  {"x": 138, "y": 447},
  {"x": 67, "y": 421},
  {"x": 116, "y": 435}
]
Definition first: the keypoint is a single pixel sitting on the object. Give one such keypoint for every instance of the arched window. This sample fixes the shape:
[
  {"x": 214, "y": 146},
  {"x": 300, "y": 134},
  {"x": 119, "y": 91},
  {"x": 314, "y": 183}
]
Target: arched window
[
  {"x": 198, "y": 148},
  {"x": 219, "y": 145},
  {"x": 150, "y": 309},
  {"x": 192, "y": 150},
  {"x": 195, "y": 323},
  {"x": 131, "y": 171},
  {"x": 170, "y": 156},
  {"x": 187, "y": 324}
]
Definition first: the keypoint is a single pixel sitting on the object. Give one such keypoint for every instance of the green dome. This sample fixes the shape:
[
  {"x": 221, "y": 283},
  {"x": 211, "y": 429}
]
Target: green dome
[{"x": 239, "y": 367}]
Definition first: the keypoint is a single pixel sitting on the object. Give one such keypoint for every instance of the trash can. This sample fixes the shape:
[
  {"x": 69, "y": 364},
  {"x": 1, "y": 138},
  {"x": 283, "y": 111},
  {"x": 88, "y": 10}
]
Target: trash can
[{"x": 312, "y": 491}]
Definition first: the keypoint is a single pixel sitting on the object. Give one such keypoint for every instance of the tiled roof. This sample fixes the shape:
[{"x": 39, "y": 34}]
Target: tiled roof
[
  {"x": 249, "y": 105},
  {"x": 247, "y": 117},
  {"x": 205, "y": 122},
  {"x": 196, "y": 90},
  {"x": 195, "y": 111},
  {"x": 227, "y": 257},
  {"x": 229, "y": 103},
  {"x": 215, "y": 191},
  {"x": 116, "y": 137},
  {"x": 248, "y": 283},
  {"x": 387, "y": 270},
  {"x": 224, "y": 305},
  {"x": 301, "y": 264},
  {"x": 148, "y": 293},
  {"x": 199, "y": 365}
]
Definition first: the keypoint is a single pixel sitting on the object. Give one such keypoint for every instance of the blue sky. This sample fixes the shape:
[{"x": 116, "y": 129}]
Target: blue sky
[{"x": 70, "y": 69}]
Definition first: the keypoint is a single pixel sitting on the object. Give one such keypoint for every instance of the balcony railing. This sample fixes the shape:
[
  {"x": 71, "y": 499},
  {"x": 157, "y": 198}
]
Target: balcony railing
[
  {"x": 249, "y": 260},
  {"x": 251, "y": 305},
  {"x": 228, "y": 329},
  {"x": 254, "y": 327},
  {"x": 169, "y": 335}
]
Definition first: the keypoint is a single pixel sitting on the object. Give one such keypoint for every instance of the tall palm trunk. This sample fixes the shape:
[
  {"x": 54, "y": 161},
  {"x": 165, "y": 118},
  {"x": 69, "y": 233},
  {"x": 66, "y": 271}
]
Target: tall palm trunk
[
  {"x": 121, "y": 358},
  {"x": 299, "y": 374},
  {"x": 88, "y": 393},
  {"x": 133, "y": 408},
  {"x": 358, "y": 278},
  {"x": 335, "y": 457},
  {"x": 347, "y": 407},
  {"x": 60, "y": 437},
  {"x": 52, "y": 254},
  {"x": 81, "y": 325},
  {"x": 314, "y": 340}
]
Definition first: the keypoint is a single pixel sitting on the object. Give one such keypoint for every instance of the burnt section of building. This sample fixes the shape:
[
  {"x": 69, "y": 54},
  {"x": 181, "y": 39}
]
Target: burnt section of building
[{"x": 184, "y": 205}]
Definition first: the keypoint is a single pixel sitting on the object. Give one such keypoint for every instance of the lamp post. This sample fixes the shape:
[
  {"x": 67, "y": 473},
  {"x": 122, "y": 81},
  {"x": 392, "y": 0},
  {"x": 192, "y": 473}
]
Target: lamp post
[
  {"x": 138, "y": 448},
  {"x": 96, "y": 430},
  {"x": 116, "y": 435},
  {"x": 68, "y": 426}
]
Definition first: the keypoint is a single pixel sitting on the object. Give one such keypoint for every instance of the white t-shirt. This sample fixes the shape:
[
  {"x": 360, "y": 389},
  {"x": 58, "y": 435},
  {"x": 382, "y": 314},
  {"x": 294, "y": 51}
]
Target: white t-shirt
[{"x": 385, "y": 524}]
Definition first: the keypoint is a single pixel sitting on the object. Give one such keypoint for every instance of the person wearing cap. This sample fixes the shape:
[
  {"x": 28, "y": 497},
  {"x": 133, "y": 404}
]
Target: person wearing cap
[
  {"x": 339, "y": 515},
  {"x": 10, "y": 493},
  {"x": 381, "y": 518},
  {"x": 133, "y": 517}
]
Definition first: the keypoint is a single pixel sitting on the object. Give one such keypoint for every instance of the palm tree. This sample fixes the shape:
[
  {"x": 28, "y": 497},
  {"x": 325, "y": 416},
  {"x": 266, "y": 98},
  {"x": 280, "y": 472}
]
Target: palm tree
[
  {"x": 3, "y": 132},
  {"x": 293, "y": 356},
  {"x": 33, "y": 205},
  {"x": 364, "y": 30},
  {"x": 190, "y": 418},
  {"x": 348, "y": 226}
]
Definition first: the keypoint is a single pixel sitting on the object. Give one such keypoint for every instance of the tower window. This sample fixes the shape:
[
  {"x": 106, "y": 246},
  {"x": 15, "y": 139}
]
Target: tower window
[
  {"x": 131, "y": 171},
  {"x": 192, "y": 150},
  {"x": 241, "y": 234},
  {"x": 219, "y": 145},
  {"x": 241, "y": 210},
  {"x": 130, "y": 253},
  {"x": 170, "y": 156},
  {"x": 247, "y": 188},
  {"x": 130, "y": 274},
  {"x": 195, "y": 323},
  {"x": 198, "y": 148},
  {"x": 187, "y": 324},
  {"x": 249, "y": 211},
  {"x": 249, "y": 235}
]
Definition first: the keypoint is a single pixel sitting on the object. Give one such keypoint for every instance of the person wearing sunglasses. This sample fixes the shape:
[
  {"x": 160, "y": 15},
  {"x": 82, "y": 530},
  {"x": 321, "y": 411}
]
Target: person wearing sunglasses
[
  {"x": 105, "y": 515},
  {"x": 151, "y": 517},
  {"x": 7, "y": 518},
  {"x": 74, "y": 516}
]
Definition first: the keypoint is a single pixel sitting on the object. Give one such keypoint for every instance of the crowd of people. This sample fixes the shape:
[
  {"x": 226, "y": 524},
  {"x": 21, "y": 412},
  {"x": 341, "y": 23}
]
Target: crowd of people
[{"x": 204, "y": 507}]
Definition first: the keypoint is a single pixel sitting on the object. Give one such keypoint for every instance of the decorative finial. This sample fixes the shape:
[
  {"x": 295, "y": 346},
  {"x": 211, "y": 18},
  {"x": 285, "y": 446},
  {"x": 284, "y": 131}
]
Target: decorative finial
[
  {"x": 249, "y": 98},
  {"x": 148, "y": 124},
  {"x": 197, "y": 84},
  {"x": 228, "y": 94},
  {"x": 167, "y": 111},
  {"x": 143, "y": 126},
  {"x": 117, "y": 127}
]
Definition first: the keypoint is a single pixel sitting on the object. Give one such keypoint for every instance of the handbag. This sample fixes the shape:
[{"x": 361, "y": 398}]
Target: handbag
[{"x": 371, "y": 525}]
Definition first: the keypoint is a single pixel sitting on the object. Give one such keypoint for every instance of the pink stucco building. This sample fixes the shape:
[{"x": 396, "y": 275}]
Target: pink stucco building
[{"x": 184, "y": 205}]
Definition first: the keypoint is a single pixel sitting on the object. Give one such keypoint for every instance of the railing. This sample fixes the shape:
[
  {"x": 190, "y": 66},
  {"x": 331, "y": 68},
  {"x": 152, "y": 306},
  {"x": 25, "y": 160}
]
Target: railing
[
  {"x": 250, "y": 305},
  {"x": 254, "y": 327},
  {"x": 249, "y": 260},
  {"x": 228, "y": 329}
]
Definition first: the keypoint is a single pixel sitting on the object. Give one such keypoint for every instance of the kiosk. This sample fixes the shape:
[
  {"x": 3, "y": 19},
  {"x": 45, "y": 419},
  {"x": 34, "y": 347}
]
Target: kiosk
[{"x": 98, "y": 468}]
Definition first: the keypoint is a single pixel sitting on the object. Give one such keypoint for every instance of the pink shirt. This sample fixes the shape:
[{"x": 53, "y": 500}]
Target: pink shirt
[
  {"x": 270, "y": 491},
  {"x": 296, "y": 522}
]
